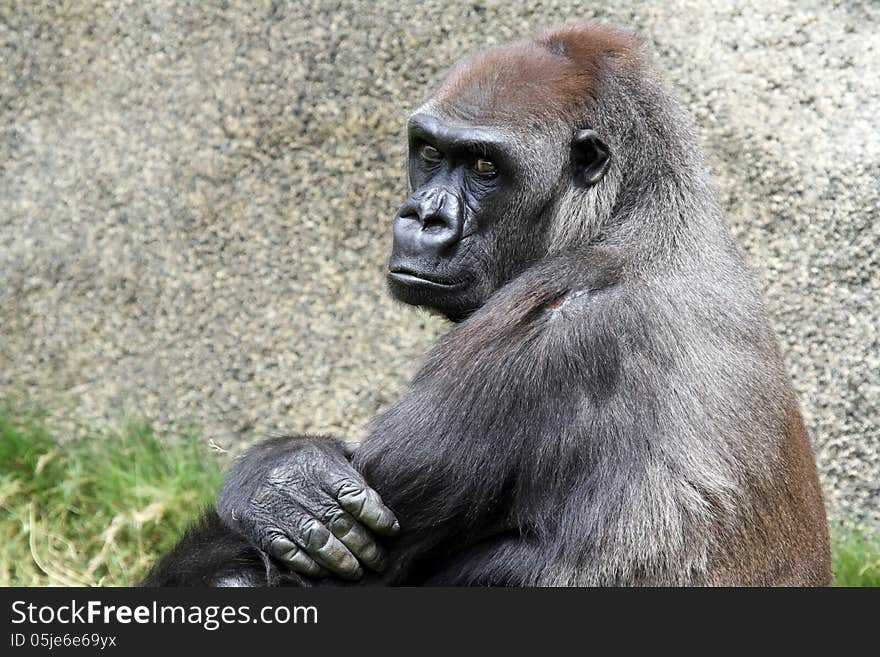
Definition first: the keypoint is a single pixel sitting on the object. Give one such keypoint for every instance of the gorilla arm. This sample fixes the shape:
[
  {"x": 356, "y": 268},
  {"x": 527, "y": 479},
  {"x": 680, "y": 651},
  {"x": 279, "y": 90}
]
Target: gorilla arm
[
  {"x": 449, "y": 454},
  {"x": 486, "y": 445}
]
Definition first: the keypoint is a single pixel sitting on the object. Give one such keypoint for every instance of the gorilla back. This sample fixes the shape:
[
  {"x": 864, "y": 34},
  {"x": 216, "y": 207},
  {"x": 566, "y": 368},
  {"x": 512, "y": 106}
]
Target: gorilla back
[{"x": 612, "y": 407}]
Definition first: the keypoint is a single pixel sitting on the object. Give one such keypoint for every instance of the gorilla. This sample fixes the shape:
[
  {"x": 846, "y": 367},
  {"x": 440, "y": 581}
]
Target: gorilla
[{"x": 610, "y": 405}]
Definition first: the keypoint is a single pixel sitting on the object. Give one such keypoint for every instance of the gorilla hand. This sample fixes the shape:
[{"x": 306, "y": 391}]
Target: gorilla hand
[{"x": 300, "y": 500}]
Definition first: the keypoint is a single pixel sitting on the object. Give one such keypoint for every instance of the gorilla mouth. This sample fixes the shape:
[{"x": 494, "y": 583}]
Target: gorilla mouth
[{"x": 412, "y": 278}]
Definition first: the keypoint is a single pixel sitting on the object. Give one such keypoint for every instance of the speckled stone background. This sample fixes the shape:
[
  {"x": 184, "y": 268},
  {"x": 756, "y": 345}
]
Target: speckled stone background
[{"x": 195, "y": 201}]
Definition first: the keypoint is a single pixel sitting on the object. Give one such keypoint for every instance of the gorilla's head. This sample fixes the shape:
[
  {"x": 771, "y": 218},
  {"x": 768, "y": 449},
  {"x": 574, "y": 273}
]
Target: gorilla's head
[{"x": 506, "y": 165}]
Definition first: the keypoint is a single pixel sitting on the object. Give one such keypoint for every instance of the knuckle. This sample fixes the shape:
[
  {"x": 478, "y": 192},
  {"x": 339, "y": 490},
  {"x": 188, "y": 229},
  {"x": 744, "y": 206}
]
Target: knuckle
[
  {"x": 370, "y": 552},
  {"x": 330, "y": 511},
  {"x": 353, "y": 539},
  {"x": 336, "y": 553},
  {"x": 354, "y": 500},
  {"x": 346, "y": 486},
  {"x": 313, "y": 532},
  {"x": 289, "y": 555},
  {"x": 375, "y": 499},
  {"x": 332, "y": 548},
  {"x": 277, "y": 544},
  {"x": 342, "y": 523}
]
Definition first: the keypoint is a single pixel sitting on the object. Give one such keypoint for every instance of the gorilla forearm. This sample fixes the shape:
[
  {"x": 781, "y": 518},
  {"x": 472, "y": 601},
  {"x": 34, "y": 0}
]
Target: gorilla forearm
[
  {"x": 500, "y": 412},
  {"x": 210, "y": 554}
]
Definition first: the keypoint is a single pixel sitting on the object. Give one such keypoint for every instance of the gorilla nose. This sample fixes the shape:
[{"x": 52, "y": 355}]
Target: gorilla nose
[{"x": 428, "y": 223}]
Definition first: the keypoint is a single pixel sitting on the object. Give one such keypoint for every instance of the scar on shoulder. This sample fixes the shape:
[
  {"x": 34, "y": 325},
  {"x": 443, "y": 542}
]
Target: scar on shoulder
[{"x": 564, "y": 299}]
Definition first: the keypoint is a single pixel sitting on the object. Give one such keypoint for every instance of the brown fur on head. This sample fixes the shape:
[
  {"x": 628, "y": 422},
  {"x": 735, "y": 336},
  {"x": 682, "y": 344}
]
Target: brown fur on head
[{"x": 552, "y": 75}]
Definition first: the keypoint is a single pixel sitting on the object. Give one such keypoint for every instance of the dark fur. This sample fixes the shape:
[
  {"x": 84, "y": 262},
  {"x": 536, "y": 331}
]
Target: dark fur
[
  {"x": 617, "y": 410},
  {"x": 210, "y": 555}
]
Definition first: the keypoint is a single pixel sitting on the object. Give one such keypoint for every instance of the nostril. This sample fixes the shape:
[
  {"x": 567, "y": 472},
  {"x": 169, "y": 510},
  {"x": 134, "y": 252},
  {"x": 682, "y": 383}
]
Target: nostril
[
  {"x": 434, "y": 223},
  {"x": 409, "y": 216}
]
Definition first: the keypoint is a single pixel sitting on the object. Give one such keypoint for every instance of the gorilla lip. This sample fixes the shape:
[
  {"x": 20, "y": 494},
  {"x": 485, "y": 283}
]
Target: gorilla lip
[{"x": 409, "y": 278}]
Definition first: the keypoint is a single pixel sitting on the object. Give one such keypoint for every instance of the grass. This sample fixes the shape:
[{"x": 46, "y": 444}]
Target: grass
[
  {"x": 856, "y": 558},
  {"x": 99, "y": 511}
]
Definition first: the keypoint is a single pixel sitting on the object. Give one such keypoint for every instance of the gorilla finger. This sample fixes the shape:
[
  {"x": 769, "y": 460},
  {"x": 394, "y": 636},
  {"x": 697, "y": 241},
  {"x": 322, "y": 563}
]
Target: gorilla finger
[
  {"x": 294, "y": 557},
  {"x": 359, "y": 541},
  {"x": 328, "y": 550},
  {"x": 364, "y": 503}
]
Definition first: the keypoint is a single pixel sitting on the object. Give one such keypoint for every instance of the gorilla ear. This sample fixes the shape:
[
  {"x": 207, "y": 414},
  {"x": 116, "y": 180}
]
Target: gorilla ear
[{"x": 590, "y": 156}]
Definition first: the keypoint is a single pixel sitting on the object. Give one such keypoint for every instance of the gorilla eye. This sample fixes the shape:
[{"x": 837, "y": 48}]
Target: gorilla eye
[
  {"x": 485, "y": 167},
  {"x": 430, "y": 153}
]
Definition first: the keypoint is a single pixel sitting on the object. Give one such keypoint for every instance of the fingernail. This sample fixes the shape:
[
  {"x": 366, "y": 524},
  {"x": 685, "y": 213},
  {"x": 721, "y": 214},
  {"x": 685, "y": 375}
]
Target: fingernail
[{"x": 395, "y": 527}]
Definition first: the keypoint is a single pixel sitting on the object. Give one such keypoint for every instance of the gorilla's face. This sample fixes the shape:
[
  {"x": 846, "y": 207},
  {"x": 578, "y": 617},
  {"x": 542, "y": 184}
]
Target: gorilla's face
[
  {"x": 479, "y": 209},
  {"x": 447, "y": 253}
]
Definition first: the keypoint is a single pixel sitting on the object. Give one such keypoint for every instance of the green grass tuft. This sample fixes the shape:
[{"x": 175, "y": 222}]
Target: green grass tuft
[
  {"x": 856, "y": 557},
  {"x": 100, "y": 510}
]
